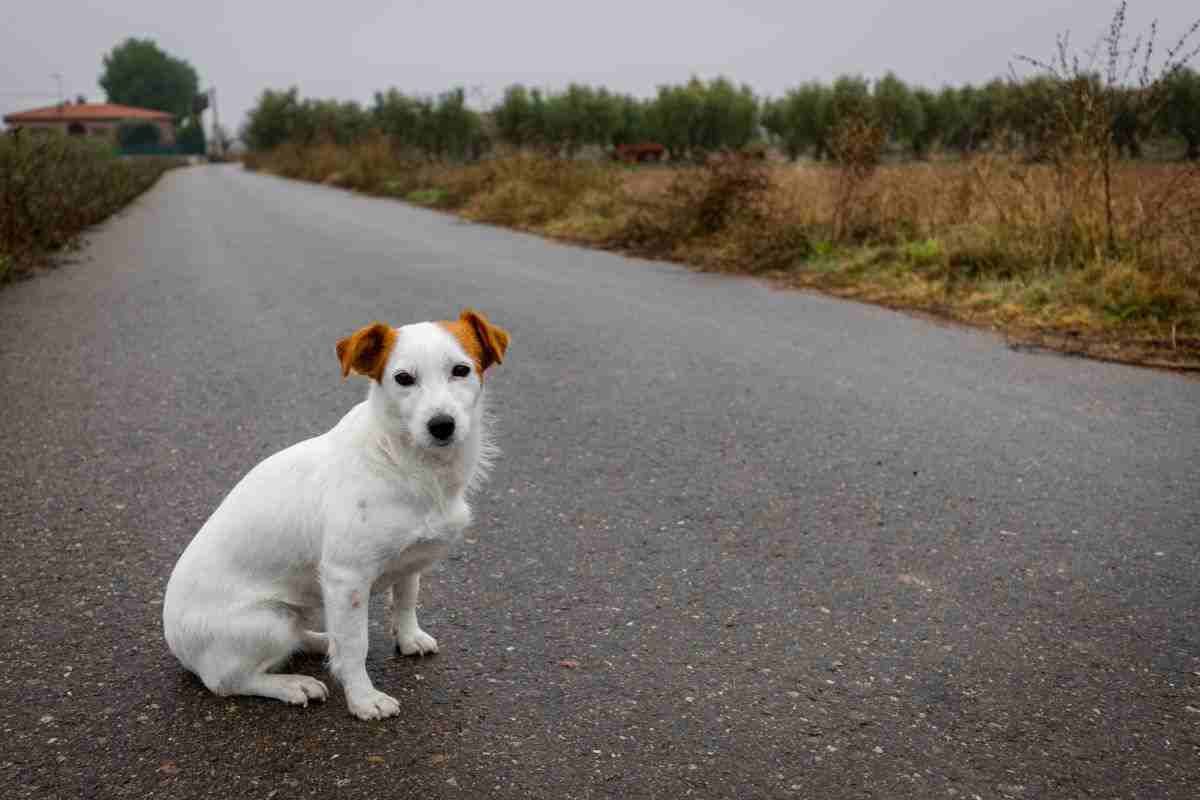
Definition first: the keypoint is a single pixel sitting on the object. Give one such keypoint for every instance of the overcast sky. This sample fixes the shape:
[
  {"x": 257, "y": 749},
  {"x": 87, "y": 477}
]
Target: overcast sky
[{"x": 347, "y": 49}]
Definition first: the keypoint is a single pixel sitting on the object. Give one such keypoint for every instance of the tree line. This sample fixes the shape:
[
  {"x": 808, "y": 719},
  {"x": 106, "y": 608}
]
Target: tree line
[{"x": 699, "y": 117}]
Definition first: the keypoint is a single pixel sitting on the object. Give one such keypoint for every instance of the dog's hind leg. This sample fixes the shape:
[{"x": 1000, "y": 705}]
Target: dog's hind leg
[
  {"x": 294, "y": 689},
  {"x": 242, "y": 651}
]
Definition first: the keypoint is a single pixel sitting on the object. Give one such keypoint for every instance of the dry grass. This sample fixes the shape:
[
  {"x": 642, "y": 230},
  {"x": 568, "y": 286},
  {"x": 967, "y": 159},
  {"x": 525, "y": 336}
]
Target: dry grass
[
  {"x": 1021, "y": 248},
  {"x": 992, "y": 241}
]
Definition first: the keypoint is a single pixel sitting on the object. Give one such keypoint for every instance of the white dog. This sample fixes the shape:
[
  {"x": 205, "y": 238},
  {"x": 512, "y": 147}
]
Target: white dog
[{"x": 288, "y": 561}]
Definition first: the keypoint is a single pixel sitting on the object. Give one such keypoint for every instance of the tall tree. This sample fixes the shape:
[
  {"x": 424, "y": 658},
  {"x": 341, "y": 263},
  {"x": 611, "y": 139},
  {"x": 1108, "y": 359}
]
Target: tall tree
[
  {"x": 800, "y": 119},
  {"x": 138, "y": 73},
  {"x": 275, "y": 119},
  {"x": 898, "y": 110},
  {"x": 1182, "y": 110},
  {"x": 933, "y": 124},
  {"x": 851, "y": 99},
  {"x": 633, "y": 125},
  {"x": 698, "y": 118},
  {"x": 517, "y": 116}
]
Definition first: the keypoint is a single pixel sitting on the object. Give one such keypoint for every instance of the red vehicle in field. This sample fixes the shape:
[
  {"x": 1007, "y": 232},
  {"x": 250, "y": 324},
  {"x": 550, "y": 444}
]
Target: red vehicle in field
[{"x": 639, "y": 153}]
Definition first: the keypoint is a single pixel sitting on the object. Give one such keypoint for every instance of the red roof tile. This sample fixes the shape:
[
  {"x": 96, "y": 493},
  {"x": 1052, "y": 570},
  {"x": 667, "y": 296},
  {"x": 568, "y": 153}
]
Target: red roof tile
[{"x": 83, "y": 112}]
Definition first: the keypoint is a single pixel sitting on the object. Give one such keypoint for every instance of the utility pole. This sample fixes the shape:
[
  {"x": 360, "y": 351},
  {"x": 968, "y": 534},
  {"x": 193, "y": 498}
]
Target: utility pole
[
  {"x": 58, "y": 78},
  {"x": 218, "y": 145}
]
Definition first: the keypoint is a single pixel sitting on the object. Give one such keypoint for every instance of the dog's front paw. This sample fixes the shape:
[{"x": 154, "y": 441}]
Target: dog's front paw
[
  {"x": 372, "y": 704},
  {"x": 414, "y": 641}
]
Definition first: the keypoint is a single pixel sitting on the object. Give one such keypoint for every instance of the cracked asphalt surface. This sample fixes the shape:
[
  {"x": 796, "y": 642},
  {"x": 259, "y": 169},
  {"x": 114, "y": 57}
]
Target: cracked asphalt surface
[{"x": 741, "y": 543}]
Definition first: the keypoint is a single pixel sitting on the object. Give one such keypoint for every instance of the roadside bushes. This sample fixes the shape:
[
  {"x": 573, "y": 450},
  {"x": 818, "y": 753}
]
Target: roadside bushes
[{"x": 52, "y": 187}]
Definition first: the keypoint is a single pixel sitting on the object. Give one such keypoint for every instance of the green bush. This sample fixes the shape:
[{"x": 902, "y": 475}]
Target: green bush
[{"x": 139, "y": 134}]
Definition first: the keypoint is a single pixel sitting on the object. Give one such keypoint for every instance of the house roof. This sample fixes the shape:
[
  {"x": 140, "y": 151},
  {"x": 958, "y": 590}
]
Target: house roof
[{"x": 86, "y": 112}]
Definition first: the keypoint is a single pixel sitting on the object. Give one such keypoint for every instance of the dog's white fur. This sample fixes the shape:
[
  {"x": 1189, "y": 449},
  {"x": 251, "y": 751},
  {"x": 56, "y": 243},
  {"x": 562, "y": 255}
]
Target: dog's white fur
[{"x": 289, "y": 559}]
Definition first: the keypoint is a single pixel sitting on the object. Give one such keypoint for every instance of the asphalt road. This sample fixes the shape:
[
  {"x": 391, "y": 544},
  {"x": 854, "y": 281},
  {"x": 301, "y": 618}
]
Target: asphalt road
[{"x": 798, "y": 547}]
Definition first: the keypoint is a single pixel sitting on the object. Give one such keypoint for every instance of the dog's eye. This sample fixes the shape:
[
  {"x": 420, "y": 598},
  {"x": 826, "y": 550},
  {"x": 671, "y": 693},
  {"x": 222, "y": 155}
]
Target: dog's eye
[
  {"x": 405, "y": 379},
  {"x": 460, "y": 371}
]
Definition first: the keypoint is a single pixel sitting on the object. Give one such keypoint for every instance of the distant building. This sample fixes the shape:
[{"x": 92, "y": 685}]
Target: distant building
[{"x": 94, "y": 120}]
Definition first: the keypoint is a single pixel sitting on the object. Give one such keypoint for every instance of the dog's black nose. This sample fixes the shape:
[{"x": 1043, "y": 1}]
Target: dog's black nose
[{"x": 441, "y": 427}]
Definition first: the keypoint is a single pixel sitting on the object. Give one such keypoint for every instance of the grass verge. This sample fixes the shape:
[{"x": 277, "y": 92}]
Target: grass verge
[{"x": 995, "y": 242}]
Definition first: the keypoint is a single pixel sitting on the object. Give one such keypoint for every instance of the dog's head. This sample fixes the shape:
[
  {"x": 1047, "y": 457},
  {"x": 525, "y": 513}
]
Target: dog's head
[{"x": 429, "y": 375}]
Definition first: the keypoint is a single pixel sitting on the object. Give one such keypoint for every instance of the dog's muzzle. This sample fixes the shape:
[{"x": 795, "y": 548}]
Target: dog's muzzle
[{"x": 441, "y": 428}]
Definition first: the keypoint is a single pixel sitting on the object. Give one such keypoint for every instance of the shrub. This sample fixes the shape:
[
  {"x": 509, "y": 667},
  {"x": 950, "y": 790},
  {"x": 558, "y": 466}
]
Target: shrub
[
  {"x": 778, "y": 245},
  {"x": 138, "y": 134},
  {"x": 526, "y": 190},
  {"x": 712, "y": 197},
  {"x": 52, "y": 187},
  {"x": 724, "y": 215},
  {"x": 365, "y": 166}
]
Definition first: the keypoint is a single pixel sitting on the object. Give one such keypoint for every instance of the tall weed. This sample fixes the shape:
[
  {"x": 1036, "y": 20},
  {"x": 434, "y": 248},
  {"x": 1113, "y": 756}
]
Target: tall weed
[
  {"x": 1113, "y": 91},
  {"x": 856, "y": 147}
]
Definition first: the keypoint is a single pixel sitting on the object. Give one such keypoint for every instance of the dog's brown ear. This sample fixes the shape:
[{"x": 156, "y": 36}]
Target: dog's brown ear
[
  {"x": 493, "y": 341},
  {"x": 366, "y": 350}
]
